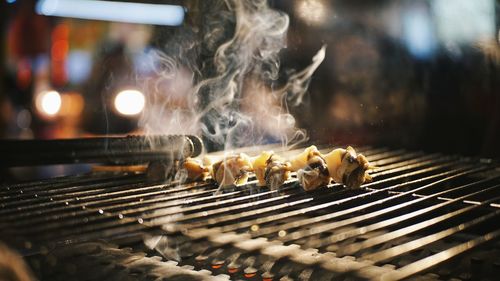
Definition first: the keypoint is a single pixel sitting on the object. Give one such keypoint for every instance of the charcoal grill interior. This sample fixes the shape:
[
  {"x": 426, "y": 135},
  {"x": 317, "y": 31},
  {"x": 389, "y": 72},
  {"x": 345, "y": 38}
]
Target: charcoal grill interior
[{"x": 424, "y": 217}]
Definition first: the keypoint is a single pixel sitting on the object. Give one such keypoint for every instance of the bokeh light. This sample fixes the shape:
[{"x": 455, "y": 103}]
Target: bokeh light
[
  {"x": 129, "y": 102},
  {"x": 313, "y": 12},
  {"x": 48, "y": 103}
]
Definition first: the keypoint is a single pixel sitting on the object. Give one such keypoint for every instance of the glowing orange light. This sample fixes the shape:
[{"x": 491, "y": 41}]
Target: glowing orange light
[
  {"x": 61, "y": 31},
  {"x": 73, "y": 104},
  {"x": 59, "y": 50}
]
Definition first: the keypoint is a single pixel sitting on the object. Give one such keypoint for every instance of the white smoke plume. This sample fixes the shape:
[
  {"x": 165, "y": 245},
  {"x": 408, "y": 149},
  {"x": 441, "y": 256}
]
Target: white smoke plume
[{"x": 223, "y": 84}]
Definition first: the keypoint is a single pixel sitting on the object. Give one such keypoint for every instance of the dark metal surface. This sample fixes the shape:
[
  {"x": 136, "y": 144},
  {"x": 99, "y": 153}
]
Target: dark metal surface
[
  {"x": 112, "y": 150},
  {"x": 426, "y": 216}
]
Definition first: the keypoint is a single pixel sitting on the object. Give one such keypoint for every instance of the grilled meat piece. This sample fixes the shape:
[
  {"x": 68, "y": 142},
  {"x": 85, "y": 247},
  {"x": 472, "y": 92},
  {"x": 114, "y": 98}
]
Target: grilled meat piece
[
  {"x": 232, "y": 170},
  {"x": 347, "y": 167},
  {"x": 196, "y": 169},
  {"x": 270, "y": 170},
  {"x": 315, "y": 174},
  {"x": 259, "y": 164},
  {"x": 277, "y": 172},
  {"x": 300, "y": 161},
  {"x": 313, "y": 169}
]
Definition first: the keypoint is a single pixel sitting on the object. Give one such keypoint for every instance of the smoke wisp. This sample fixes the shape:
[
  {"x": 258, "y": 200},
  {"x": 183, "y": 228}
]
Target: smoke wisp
[{"x": 220, "y": 79}]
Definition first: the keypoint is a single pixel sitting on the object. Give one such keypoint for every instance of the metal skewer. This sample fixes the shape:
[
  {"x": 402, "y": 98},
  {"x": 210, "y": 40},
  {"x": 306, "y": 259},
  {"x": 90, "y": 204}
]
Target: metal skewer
[{"x": 112, "y": 150}]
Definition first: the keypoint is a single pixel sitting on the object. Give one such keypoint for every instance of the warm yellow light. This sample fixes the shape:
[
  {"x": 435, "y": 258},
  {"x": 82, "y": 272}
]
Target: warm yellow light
[
  {"x": 129, "y": 102},
  {"x": 49, "y": 103}
]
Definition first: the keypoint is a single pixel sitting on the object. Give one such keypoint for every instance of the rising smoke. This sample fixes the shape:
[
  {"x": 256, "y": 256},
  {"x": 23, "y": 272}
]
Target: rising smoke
[
  {"x": 219, "y": 79},
  {"x": 223, "y": 85}
]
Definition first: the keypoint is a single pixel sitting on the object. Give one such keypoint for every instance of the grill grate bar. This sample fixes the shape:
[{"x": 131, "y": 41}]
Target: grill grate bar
[
  {"x": 16, "y": 205},
  {"x": 106, "y": 224},
  {"x": 331, "y": 226},
  {"x": 167, "y": 211},
  {"x": 19, "y": 197},
  {"x": 415, "y": 201},
  {"x": 404, "y": 162},
  {"x": 65, "y": 193},
  {"x": 249, "y": 185},
  {"x": 421, "y": 242},
  {"x": 409, "y": 166},
  {"x": 419, "y": 172},
  {"x": 90, "y": 210},
  {"x": 302, "y": 211},
  {"x": 466, "y": 202},
  {"x": 433, "y": 260},
  {"x": 406, "y": 157},
  {"x": 122, "y": 228},
  {"x": 54, "y": 184},
  {"x": 89, "y": 201},
  {"x": 276, "y": 251},
  {"x": 361, "y": 218},
  {"x": 356, "y": 247},
  {"x": 350, "y": 249},
  {"x": 218, "y": 207},
  {"x": 362, "y": 230},
  {"x": 118, "y": 224},
  {"x": 90, "y": 219},
  {"x": 222, "y": 232}
]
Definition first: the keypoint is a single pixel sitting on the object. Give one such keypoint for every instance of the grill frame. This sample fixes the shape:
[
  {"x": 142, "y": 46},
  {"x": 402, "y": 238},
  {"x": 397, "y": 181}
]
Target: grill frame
[{"x": 269, "y": 224}]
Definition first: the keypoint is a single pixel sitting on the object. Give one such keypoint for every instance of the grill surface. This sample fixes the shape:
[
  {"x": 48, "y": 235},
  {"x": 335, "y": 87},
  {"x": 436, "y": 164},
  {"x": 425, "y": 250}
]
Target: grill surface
[{"x": 425, "y": 216}]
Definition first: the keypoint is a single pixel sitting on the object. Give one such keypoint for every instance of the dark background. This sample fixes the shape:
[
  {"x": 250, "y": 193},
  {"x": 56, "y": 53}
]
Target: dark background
[{"x": 407, "y": 74}]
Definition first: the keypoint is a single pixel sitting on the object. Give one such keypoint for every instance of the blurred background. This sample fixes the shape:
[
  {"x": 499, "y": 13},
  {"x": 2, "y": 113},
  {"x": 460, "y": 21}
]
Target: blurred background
[{"x": 417, "y": 74}]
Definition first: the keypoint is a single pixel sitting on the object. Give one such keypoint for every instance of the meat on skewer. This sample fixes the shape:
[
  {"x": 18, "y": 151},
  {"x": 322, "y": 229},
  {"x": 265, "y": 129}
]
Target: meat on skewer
[
  {"x": 313, "y": 169},
  {"x": 271, "y": 170}
]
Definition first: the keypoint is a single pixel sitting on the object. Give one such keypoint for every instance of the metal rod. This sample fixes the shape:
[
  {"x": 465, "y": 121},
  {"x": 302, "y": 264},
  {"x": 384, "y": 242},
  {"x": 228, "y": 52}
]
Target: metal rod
[
  {"x": 115, "y": 150},
  {"x": 125, "y": 203},
  {"x": 21, "y": 208},
  {"x": 194, "y": 208},
  {"x": 74, "y": 190},
  {"x": 433, "y": 260},
  {"x": 325, "y": 227},
  {"x": 282, "y": 215},
  {"x": 184, "y": 210},
  {"x": 163, "y": 211},
  {"x": 399, "y": 219},
  {"x": 420, "y": 242}
]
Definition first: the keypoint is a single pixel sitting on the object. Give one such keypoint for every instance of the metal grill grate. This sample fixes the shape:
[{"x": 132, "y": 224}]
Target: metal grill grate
[{"x": 422, "y": 213}]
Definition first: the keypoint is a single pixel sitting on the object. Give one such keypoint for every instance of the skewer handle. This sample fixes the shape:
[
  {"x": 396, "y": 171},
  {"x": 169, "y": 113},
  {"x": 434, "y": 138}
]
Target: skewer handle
[{"x": 110, "y": 150}]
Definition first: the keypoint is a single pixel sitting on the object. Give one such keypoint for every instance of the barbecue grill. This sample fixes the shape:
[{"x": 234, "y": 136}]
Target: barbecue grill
[
  {"x": 418, "y": 75},
  {"x": 424, "y": 217}
]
